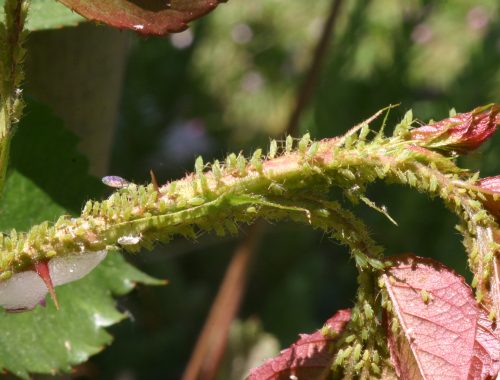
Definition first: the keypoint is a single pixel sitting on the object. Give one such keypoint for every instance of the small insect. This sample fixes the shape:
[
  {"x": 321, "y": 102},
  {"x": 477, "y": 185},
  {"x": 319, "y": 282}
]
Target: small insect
[
  {"x": 115, "y": 181},
  {"x": 129, "y": 240}
]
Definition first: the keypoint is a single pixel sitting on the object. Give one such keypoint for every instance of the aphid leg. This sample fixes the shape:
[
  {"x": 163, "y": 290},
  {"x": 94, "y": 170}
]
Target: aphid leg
[{"x": 42, "y": 269}]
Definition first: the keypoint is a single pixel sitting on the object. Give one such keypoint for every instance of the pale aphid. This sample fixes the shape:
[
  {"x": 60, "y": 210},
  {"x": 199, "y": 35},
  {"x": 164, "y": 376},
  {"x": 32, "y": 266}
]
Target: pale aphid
[
  {"x": 129, "y": 240},
  {"x": 115, "y": 181}
]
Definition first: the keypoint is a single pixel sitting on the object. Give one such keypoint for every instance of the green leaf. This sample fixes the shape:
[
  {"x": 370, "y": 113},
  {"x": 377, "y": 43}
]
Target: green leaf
[
  {"x": 46, "y": 340},
  {"x": 24, "y": 204},
  {"x": 46, "y": 152},
  {"x": 48, "y": 14}
]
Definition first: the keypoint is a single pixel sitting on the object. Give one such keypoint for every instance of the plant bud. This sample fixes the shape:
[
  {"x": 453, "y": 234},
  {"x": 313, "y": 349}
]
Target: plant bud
[{"x": 461, "y": 133}]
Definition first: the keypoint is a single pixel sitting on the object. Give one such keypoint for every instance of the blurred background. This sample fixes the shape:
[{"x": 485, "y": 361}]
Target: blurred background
[{"x": 231, "y": 81}]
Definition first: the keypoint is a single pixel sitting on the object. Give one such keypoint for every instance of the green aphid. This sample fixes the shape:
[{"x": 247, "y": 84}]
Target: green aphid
[
  {"x": 365, "y": 129},
  {"x": 375, "y": 356},
  {"x": 368, "y": 310},
  {"x": 356, "y": 353},
  {"x": 375, "y": 368},
  {"x": 350, "y": 338},
  {"x": 475, "y": 281},
  {"x": 256, "y": 160},
  {"x": 196, "y": 201},
  {"x": 304, "y": 143},
  {"x": 366, "y": 355},
  {"x": 273, "y": 149},
  {"x": 288, "y": 144},
  {"x": 426, "y": 297},
  {"x": 231, "y": 161},
  {"x": 488, "y": 257},
  {"x": 216, "y": 170},
  {"x": 276, "y": 188},
  {"x": 87, "y": 208},
  {"x": 172, "y": 186},
  {"x": 394, "y": 325},
  {"x": 322, "y": 212},
  {"x": 339, "y": 358},
  {"x": 313, "y": 149},
  {"x": 198, "y": 165},
  {"x": 203, "y": 183},
  {"x": 241, "y": 165},
  {"x": 486, "y": 273},
  {"x": 358, "y": 366},
  {"x": 492, "y": 316}
]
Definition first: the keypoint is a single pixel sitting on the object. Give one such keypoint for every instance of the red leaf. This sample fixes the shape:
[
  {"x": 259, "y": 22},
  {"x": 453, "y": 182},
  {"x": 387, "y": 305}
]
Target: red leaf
[
  {"x": 486, "y": 360},
  {"x": 309, "y": 358},
  {"x": 158, "y": 17},
  {"x": 491, "y": 188},
  {"x": 443, "y": 333},
  {"x": 463, "y": 132}
]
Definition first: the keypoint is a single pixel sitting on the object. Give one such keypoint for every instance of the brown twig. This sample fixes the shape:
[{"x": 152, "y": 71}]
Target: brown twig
[
  {"x": 307, "y": 88},
  {"x": 211, "y": 344}
]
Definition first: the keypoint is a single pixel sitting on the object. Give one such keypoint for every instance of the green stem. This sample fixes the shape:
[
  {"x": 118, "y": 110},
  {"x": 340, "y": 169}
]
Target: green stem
[
  {"x": 12, "y": 37},
  {"x": 293, "y": 184}
]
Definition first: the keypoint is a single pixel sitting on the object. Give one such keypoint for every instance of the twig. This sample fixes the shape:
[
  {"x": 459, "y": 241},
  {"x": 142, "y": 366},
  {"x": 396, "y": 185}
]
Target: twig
[
  {"x": 309, "y": 84},
  {"x": 212, "y": 341}
]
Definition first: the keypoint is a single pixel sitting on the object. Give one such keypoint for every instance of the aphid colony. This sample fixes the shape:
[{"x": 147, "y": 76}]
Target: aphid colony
[{"x": 28, "y": 288}]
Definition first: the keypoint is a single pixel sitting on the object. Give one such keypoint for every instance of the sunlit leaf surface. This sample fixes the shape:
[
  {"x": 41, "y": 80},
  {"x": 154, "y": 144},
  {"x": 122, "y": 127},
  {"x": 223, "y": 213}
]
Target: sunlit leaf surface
[
  {"x": 308, "y": 358},
  {"x": 157, "y": 17},
  {"x": 46, "y": 340},
  {"x": 441, "y": 332}
]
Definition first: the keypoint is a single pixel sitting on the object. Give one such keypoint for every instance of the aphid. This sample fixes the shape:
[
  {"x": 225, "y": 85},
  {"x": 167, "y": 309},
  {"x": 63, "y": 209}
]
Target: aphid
[
  {"x": 256, "y": 161},
  {"x": 216, "y": 170},
  {"x": 288, "y": 144},
  {"x": 426, "y": 296},
  {"x": 196, "y": 201},
  {"x": 273, "y": 149},
  {"x": 129, "y": 240},
  {"x": 241, "y": 164},
  {"x": 231, "y": 161},
  {"x": 115, "y": 181},
  {"x": 313, "y": 149},
  {"x": 304, "y": 143},
  {"x": 198, "y": 165}
]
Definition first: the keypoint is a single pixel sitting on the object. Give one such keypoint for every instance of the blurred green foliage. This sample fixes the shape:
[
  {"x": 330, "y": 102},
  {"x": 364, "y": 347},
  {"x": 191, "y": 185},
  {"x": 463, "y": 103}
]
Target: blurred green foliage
[{"x": 230, "y": 82}]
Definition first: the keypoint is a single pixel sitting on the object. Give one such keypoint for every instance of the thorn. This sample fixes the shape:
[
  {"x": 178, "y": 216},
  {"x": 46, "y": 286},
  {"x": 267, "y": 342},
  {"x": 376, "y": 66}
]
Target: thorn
[
  {"x": 154, "y": 181},
  {"x": 42, "y": 269}
]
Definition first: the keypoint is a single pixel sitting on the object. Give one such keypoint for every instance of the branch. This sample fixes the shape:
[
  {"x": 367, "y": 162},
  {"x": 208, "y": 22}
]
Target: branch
[
  {"x": 241, "y": 190},
  {"x": 12, "y": 37},
  {"x": 307, "y": 88}
]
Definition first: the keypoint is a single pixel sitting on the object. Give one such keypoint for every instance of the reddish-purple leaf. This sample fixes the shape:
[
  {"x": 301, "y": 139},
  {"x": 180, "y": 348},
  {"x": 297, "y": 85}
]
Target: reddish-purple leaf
[
  {"x": 157, "y": 17},
  {"x": 491, "y": 189},
  {"x": 309, "y": 358},
  {"x": 463, "y": 132},
  {"x": 443, "y": 333},
  {"x": 486, "y": 360}
]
